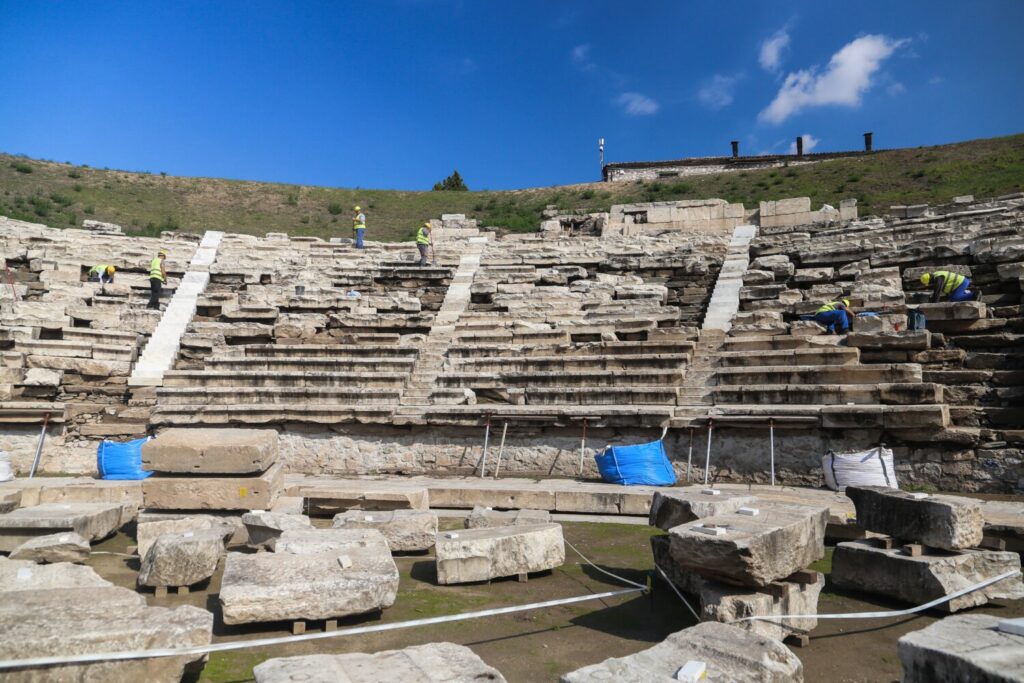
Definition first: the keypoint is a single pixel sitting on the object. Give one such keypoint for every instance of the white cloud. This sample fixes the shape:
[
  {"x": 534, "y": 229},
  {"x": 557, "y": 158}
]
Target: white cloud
[
  {"x": 935, "y": 80},
  {"x": 846, "y": 78},
  {"x": 580, "y": 56},
  {"x": 717, "y": 92},
  {"x": 635, "y": 104},
  {"x": 895, "y": 88},
  {"x": 810, "y": 142},
  {"x": 772, "y": 49}
]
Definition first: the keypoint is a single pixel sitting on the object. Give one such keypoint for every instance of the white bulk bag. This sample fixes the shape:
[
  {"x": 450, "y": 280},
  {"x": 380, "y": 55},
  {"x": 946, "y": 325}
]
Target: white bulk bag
[
  {"x": 6, "y": 473},
  {"x": 864, "y": 468}
]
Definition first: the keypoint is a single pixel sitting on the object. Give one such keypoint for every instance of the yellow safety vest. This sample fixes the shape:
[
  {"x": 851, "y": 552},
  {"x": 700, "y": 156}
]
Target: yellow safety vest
[
  {"x": 358, "y": 224},
  {"x": 422, "y": 237},
  {"x": 154, "y": 270},
  {"x": 100, "y": 269},
  {"x": 953, "y": 280},
  {"x": 830, "y": 306}
]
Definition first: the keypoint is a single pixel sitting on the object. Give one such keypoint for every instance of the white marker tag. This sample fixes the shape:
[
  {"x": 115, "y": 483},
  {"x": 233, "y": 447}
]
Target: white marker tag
[
  {"x": 188, "y": 534},
  {"x": 367, "y": 518},
  {"x": 24, "y": 574},
  {"x": 711, "y": 492},
  {"x": 451, "y": 534},
  {"x": 919, "y": 495},
  {"x": 750, "y": 512},
  {"x": 1014, "y": 626},
  {"x": 709, "y": 530},
  {"x": 344, "y": 561},
  {"x": 692, "y": 672}
]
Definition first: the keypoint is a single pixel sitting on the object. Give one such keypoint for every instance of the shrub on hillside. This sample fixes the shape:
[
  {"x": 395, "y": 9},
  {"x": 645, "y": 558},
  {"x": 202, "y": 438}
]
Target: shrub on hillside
[
  {"x": 453, "y": 183},
  {"x": 21, "y": 167}
]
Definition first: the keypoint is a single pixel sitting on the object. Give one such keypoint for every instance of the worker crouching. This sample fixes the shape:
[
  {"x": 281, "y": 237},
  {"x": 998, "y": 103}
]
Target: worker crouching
[
  {"x": 952, "y": 286},
  {"x": 102, "y": 273},
  {"x": 157, "y": 278},
  {"x": 835, "y": 316}
]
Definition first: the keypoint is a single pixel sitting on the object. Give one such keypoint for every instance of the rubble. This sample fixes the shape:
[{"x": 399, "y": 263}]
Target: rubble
[
  {"x": 182, "y": 559},
  {"x": 66, "y": 546},
  {"x": 146, "y": 532}
]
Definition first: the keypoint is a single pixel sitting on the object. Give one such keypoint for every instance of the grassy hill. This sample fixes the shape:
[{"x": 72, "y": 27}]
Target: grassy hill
[{"x": 62, "y": 195}]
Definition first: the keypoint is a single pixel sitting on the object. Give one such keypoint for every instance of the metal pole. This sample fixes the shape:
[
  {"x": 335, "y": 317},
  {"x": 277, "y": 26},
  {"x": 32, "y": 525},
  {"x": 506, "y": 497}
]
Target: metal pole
[
  {"x": 583, "y": 445},
  {"x": 771, "y": 440},
  {"x": 689, "y": 456},
  {"x": 483, "y": 456},
  {"x": 501, "y": 448},
  {"x": 10, "y": 281},
  {"x": 39, "y": 446},
  {"x": 707, "y": 458}
]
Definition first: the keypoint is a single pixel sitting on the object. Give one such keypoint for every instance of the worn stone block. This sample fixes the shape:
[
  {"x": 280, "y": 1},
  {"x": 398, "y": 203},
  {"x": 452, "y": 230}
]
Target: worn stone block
[
  {"x": 26, "y": 575},
  {"x": 431, "y": 663},
  {"x": 265, "y": 528},
  {"x": 484, "y": 554},
  {"x": 303, "y": 541},
  {"x": 91, "y": 521},
  {"x": 965, "y": 647},
  {"x": 334, "y": 497},
  {"x": 146, "y": 532},
  {"x": 405, "y": 530},
  {"x": 489, "y": 518},
  {"x": 66, "y": 546},
  {"x": 949, "y": 522},
  {"x": 752, "y": 550},
  {"x": 677, "y": 506},
  {"x": 731, "y": 654},
  {"x": 183, "y": 559},
  {"x": 865, "y": 567},
  {"x": 213, "y": 493},
  {"x": 211, "y": 451}
]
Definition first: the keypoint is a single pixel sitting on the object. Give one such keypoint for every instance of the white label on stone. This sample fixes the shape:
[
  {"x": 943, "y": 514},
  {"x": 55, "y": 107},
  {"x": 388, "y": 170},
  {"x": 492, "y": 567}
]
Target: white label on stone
[
  {"x": 918, "y": 495},
  {"x": 367, "y": 518},
  {"x": 344, "y": 561},
  {"x": 1014, "y": 626},
  {"x": 750, "y": 512},
  {"x": 187, "y": 534},
  {"x": 24, "y": 574},
  {"x": 64, "y": 538},
  {"x": 710, "y": 530},
  {"x": 257, "y": 512},
  {"x": 451, "y": 534},
  {"x": 692, "y": 672},
  {"x": 711, "y": 492}
]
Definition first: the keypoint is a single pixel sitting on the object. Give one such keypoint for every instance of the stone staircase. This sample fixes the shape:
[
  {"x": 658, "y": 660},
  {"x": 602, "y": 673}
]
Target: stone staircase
[
  {"x": 431, "y": 358},
  {"x": 695, "y": 393},
  {"x": 725, "y": 299}
]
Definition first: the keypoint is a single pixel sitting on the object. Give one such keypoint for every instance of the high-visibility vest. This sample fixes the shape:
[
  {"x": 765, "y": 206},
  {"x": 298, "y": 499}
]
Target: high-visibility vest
[
  {"x": 359, "y": 222},
  {"x": 100, "y": 269},
  {"x": 155, "y": 271},
  {"x": 953, "y": 280},
  {"x": 830, "y": 306},
  {"x": 422, "y": 237}
]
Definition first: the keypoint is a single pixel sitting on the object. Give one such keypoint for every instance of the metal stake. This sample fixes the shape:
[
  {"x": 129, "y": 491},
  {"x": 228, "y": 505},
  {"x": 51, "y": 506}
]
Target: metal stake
[
  {"x": 39, "y": 446},
  {"x": 583, "y": 445},
  {"x": 771, "y": 440},
  {"x": 707, "y": 458},
  {"x": 689, "y": 456},
  {"x": 501, "y": 448},
  {"x": 483, "y": 456}
]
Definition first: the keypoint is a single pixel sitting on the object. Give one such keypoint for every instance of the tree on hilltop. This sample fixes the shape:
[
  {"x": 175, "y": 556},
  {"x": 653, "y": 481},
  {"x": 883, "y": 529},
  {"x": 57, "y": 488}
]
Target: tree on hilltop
[{"x": 453, "y": 183}]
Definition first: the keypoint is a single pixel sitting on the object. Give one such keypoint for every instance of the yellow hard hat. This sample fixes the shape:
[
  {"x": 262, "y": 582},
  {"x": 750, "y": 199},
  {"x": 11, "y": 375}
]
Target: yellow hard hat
[
  {"x": 111, "y": 270},
  {"x": 846, "y": 301},
  {"x": 356, "y": 208},
  {"x": 926, "y": 278},
  {"x": 426, "y": 224},
  {"x": 163, "y": 252}
]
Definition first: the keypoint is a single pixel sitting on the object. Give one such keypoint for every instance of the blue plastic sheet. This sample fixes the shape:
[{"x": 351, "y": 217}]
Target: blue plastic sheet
[
  {"x": 641, "y": 464},
  {"x": 121, "y": 460}
]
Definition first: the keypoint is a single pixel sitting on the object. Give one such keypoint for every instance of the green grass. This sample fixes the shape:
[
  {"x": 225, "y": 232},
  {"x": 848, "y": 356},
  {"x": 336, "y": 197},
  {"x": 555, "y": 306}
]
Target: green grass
[{"x": 146, "y": 204}]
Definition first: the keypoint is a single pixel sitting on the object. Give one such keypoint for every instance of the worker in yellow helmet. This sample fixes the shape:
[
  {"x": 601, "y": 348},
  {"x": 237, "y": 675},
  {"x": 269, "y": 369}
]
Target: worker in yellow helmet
[
  {"x": 835, "y": 316},
  {"x": 953, "y": 286},
  {"x": 157, "y": 279},
  {"x": 423, "y": 243},
  {"x": 359, "y": 226},
  {"x": 102, "y": 273}
]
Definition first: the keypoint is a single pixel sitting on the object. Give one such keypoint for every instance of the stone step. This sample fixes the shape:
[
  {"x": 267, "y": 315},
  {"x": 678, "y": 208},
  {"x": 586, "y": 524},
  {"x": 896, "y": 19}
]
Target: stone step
[
  {"x": 830, "y": 394},
  {"x": 821, "y": 374},
  {"x": 269, "y": 378}
]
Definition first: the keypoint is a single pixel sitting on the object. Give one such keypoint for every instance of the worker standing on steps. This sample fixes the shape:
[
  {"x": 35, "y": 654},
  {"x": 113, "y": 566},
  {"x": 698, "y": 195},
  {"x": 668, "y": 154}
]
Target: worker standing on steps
[
  {"x": 157, "y": 278},
  {"x": 359, "y": 226},
  {"x": 953, "y": 286},
  {"x": 423, "y": 244},
  {"x": 102, "y": 273},
  {"x": 835, "y": 316}
]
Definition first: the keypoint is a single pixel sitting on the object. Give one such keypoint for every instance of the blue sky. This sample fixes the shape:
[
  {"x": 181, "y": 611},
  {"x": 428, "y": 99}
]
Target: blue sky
[{"x": 397, "y": 93}]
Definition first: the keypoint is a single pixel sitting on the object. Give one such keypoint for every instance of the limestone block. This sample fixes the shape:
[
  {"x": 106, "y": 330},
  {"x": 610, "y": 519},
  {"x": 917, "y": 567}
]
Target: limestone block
[
  {"x": 910, "y": 340},
  {"x": 66, "y": 546},
  {"x": 814, "y": 276},
  {"x": 91, "y": 521},
  {"x": 211, "y": 451},
  {"x": 74, "y": 621},
  {"x": 489, "y": 518},
  {"x": 334, "y": 497},
  {"x": 758, "y": 277},
  {"x": 806, "y": 328},
  {"x": 40, "y": 377},
  {"x": 725, "y": 603},
  {"x": 213, "y": 493},
  {"x": 965, "y": 647},
  {"x": 405, "y": 530},
  {"x": 484, "y": 554},
  {"x": 182, "y": 559},
  {"x": 26, "y": 575},
  {"x": 792, "y": 205},
  {"x": 674, "y": 507},
  {"x": 731, "y": 654},
  {"x": 81, "y": 366},
  {"x": 276, "y": 586},
  {"x": 779, "y": 265},
  {"x": 266, "y": 527},
  {"x": 861, "y": 566},
  {"x": 948, "y": 522},
  {"x": 430, "y": 663},
  {"x": 146, "y": 532},
  {"x": 753, "y": 550},
  {"x": 880, "y": 324},
  {"x": 303, "y": 541},
  {"x": 954, "y": 310}
]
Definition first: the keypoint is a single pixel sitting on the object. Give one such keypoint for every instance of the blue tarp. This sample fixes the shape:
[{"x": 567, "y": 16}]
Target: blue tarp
[
  {"x": 121, "y": 460},
  {"x": 642, "y": 464}
]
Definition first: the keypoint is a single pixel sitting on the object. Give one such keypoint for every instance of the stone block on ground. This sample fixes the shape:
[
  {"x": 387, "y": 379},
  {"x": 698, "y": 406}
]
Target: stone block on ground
[
  {"x": 674, "y": 507},
  {"x": 183, "y": 559},
  {"x": 91, "y": 521},
  {"x": 431, "y": 663},
  {"x": 405, "y": 530},
  {"x": 484, "y": 554},
  {"x": 330, "y": 499},
  {"x": 725, "y": 603},
  {"x": 311, "y": 541},
  {"x": 26, "y": 575},
  {"x": 730, "y": 653},
  {"x": 211, "y": 451},
  {"x": 66, "y": 546},
  {"x": 489, "y": 518},
  {"x": 84, "y": 620},
  {"x": 965, "y": 647},
  {"x": 752, "y": 550},
  {"x": 249, "y": 492},
  {"x": 948, "y": 522},
  {"x": 146, "y": 532},
  {"x": 286, "y": 586},
  {"x": 865, "y": 567},
  {"x": 264, "y": 528}
]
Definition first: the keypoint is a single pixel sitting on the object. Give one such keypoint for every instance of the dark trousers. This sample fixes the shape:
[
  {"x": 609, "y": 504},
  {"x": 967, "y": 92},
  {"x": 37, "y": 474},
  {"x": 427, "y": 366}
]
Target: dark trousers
[
  {"x": 424, "y": 248},
  {"x": 834, "y": 321},
  {"x": 155, "y": 286}
]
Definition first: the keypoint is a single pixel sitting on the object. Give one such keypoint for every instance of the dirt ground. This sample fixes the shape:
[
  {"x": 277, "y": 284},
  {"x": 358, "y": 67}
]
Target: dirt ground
[{"x": 540, "y": 645}]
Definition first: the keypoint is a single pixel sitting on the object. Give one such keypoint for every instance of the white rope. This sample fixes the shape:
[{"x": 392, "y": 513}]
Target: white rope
[
  {"x": 605, "y": 571},
  {"x": 673, "y": 587},
  {"x": 895, "y": 613}
]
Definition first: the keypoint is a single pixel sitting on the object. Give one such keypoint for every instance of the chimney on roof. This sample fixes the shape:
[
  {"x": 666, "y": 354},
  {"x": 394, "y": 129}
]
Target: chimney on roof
[
  {"x": 735, "y": 148},
  {"x": 800, "y": 146},
  {"x": 867, "y": 141}
]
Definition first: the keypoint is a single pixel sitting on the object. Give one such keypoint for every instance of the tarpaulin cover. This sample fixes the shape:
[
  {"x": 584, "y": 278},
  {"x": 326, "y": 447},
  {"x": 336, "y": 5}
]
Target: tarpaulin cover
[
  {"x": 121, "y": 460},
  {"x": 641, "y": 464}
]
